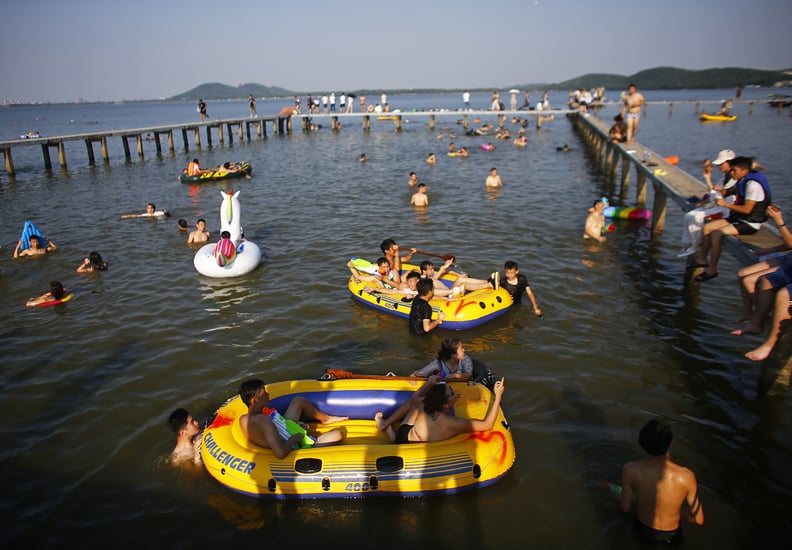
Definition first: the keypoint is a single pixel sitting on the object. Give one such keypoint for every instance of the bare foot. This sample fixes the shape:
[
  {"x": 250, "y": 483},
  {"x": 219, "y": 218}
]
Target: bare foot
[
  {"x": 334, "y": 419},
  {"x": 750, "y": 328},
  {"x": 742, "y": 319},
  {"x": 380, "y": 421},
  {"x": 760, "y": 354}
]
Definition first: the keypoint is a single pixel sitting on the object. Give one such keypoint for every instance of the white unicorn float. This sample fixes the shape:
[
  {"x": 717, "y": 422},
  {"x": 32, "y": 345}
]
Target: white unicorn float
[{"x": 230, "y": 257}]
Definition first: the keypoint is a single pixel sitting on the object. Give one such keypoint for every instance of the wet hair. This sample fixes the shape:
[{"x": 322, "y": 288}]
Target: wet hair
[
  {"x": 655, "y": 438},
  {"x": 412, "y": 275},
  {"x": 35, "y": 237},
  {"x": 426, "y": 264},
  {"x": 56, "y": 289},
  {"x": 596, "y": 202},
  {"x": 510, "y": 265},
  {"x": 412, "y": 174},
  {"x": 386, "y": 244},
  {"x": 182, "y": 223},
  {"x": 225, "y": 235},
  {"x": 249, "y": 388},
  {"x": 421, "y": 186},
  {"x": 226, "y": 165},
  {"x": 96, "y": 261},
  {"x": 199, "y": 220},
  {"x": 435, "y": 398},
  {"x": 448, "y": 348},
  {"x": 383, "y": 260},
  {"x": 178, "y": 420},
  {"x": 424, "y": 286},
  {"x": 151, "y": 204}
]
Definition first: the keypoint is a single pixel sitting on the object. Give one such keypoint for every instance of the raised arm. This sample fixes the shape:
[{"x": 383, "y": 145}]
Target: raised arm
[{"x": 492, "y": 414}]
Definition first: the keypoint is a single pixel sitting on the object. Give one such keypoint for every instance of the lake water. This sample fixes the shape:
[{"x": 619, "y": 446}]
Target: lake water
[{"x": 86, "y": 387}]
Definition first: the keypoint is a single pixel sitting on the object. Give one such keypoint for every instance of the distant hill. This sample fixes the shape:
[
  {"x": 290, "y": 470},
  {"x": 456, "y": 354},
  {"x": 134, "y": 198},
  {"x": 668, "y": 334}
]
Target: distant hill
[
  {"x": 671, "y": 78},
  {"x": 217, "y": 91},
  {"x": 659, "y": 78}
]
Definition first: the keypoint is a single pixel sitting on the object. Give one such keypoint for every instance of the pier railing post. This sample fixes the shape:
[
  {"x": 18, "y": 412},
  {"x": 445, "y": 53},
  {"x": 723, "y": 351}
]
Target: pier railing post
[
  {"x": 89, "y": 147},
  {"x": 9, "y": 162},
  {"x": 659, "y": 208},
  {"x": 640, "y": 189}
]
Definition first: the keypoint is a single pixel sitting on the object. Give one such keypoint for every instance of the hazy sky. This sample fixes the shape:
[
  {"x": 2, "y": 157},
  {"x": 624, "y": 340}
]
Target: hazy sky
[{"x": 146, "y": 49}]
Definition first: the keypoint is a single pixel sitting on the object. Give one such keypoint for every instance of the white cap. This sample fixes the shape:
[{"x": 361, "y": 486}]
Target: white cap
[{"x": 723, "y": 156}]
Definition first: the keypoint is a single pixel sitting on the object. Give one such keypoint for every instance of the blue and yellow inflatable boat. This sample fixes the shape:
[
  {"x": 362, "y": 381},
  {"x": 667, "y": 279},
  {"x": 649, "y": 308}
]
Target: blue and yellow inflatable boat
[
  {"x": 366, "y": 463},
  {"x": 471, "y": 310}
]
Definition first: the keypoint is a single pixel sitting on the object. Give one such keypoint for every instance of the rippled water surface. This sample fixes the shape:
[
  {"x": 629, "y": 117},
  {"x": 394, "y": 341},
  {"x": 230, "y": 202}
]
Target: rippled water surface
[{"x": 86, "y": 387}]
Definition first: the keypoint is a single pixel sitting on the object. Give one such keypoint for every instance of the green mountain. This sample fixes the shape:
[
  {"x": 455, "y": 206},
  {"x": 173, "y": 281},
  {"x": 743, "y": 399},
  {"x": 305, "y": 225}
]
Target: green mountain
[
  {"x": 671, "y": 78},
  {"x": 659, "y": 78},
  {"x": 217, "y": 91}
]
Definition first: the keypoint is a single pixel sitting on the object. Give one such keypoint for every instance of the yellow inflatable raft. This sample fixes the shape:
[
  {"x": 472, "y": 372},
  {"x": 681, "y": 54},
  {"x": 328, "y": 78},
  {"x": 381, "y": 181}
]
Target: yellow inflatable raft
[
  {"x": 366, "y": 463},
  {"x": 717, "y": 118},
  {"x": 471, "y": 310}
]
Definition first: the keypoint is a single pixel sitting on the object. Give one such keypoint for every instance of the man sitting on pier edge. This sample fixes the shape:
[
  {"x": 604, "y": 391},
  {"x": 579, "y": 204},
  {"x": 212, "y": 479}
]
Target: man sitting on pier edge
[{"x": 748, "y": 213}]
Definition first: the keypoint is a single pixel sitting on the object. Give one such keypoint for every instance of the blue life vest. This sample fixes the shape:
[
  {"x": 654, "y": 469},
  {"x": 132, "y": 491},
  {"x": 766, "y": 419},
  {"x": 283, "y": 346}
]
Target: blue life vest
[{"x": 758, "y": 213}]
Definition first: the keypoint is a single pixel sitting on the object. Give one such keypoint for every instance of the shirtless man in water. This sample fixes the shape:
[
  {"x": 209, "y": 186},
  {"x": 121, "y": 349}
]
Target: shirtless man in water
[
  {"x": 595, "y": 222},
  {"x": 200, "y": 235},
  {"x": 188, "y": 440},
  {"x": 660, "y": 488},
  {"x": 35, "y": 249},
  {"x": 632, "y": 111},
  {"x": 260, "y": 429}
]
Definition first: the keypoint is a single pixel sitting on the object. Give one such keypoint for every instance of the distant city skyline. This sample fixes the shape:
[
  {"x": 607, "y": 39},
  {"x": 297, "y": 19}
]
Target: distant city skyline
[{"x": 103, "y": 51}]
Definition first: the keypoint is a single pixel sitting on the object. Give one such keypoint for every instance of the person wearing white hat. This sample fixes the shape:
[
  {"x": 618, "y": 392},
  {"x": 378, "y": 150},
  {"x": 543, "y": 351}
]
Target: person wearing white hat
[{"x": 707, "y": 210}]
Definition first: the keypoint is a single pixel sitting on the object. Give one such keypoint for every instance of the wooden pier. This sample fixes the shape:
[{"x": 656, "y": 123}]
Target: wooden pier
[
  {"x": 241, "y": 127},
  {"x": 670, "y": 181}
]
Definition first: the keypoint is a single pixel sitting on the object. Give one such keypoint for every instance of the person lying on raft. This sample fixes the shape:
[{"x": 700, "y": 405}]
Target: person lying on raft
[
  {"x": 407, "y": 289},
  {"x": 461, "y": 284},
  {"x": 384, "y": 276},
  {"x": 267, "y": 428},
  {"x": 35, "y": 248},
  {"x": 228, "y": 167},
  {"x": 151, "y": 212},
  {"x": 57, "y": 292},
  {"x": 425, "y": 416}
]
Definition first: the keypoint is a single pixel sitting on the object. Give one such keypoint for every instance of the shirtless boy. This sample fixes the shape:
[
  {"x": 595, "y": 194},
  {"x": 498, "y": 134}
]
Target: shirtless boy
[
  {"x": 35, "y": 249},
  {"x": 200, "y": 235},
  {"x": 493, "y": 180},
  {"x": 632, "y": 105},
  {"x": 260, "y": 429},
  {"x": 188, "y": 441},
  {"x": 420, "y": 198},
  {"x": 660, "y": 488},
  {"x": 595, "y": 222}
]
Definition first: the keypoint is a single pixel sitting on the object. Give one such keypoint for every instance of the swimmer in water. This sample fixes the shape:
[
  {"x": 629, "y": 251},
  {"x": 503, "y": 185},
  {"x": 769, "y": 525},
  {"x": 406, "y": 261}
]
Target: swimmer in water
[
  {"x": 57, "y": 292},
  {"x": 595, "y": 222},
  {"x": 188, "y": 440}
]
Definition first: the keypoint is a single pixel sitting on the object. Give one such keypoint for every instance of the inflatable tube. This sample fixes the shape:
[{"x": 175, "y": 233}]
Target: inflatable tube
[
  {"x": 717, "y": 118},
  {"x": 29, "y": 230},
  {"x": 487, "y": 146},
  {"x": 450, "y": 154},
  {"x": 627, "y": 213},
  {"x": 63, "y": 300},
  {"x": 520, "y": 143},
  {"x": 366, "y": 464},
  {"x": 227, "y": 264}
]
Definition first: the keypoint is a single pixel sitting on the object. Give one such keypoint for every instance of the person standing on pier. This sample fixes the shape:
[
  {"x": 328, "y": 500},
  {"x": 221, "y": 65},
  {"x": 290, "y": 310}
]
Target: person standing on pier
[
  {"x": 252, "y": 106},
  {"x": 466, "y": 100},
  {"x": 631, "y": 111},
  {"x": 202, "y": 109}
]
